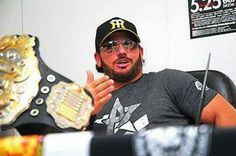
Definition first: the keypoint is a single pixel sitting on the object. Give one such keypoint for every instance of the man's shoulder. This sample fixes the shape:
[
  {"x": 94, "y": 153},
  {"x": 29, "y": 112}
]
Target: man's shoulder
[
  {"x": 170, "y": 75},
  {"x": 167, "y": 72}
]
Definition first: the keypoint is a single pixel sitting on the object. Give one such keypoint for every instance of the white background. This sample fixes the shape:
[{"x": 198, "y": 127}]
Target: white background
[{"x": 66, "y": 30}]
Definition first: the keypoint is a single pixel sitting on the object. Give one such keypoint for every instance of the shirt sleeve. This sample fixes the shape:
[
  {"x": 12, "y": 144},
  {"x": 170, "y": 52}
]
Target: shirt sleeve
[{"x": 185, "y": 92}]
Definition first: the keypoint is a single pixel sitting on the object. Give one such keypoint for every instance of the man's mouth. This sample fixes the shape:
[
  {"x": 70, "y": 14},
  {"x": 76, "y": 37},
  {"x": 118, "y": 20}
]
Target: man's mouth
[{"x": 123, "y": 62}]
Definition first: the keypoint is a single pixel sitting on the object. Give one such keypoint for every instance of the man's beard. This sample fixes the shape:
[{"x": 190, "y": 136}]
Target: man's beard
[{"x": 126, "y": 77}]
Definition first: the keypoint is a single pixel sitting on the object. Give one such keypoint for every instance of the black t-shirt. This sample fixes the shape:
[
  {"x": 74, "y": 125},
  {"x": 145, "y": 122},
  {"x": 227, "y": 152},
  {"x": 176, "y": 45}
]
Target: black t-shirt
[{"x": 165, "y": 98}]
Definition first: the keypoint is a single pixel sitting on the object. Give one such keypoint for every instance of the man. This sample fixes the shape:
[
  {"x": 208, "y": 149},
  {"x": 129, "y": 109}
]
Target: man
[{"x": 127, "y": 100}]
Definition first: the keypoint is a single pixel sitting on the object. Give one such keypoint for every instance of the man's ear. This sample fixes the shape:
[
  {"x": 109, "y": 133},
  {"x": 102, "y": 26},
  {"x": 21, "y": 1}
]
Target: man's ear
[
  {"x": 141, "y": 51},
  {"x": 98, "y": 59}
]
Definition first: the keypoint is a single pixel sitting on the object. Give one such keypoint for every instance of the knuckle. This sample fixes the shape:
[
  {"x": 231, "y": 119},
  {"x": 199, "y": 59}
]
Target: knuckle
[{"x": 96, "y": 98}]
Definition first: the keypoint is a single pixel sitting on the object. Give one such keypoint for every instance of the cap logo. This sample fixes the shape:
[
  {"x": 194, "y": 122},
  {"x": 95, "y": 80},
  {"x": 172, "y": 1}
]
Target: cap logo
[{"x": 117, "y": 23}]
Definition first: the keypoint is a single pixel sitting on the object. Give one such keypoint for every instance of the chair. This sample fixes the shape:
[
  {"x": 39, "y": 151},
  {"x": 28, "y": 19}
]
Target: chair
[{"x": 219, "y": 82}]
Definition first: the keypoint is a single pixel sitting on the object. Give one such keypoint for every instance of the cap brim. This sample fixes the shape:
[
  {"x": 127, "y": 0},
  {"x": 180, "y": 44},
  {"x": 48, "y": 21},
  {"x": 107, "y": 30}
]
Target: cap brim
[{"x": 138, "y": 39}]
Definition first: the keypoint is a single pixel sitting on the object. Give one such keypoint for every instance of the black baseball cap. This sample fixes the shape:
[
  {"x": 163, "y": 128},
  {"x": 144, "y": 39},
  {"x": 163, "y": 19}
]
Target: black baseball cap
[{"x": 113, "y": 25}]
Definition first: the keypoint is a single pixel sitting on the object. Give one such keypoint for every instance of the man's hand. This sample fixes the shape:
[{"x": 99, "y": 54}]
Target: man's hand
[{"x": 100, "y": 89}]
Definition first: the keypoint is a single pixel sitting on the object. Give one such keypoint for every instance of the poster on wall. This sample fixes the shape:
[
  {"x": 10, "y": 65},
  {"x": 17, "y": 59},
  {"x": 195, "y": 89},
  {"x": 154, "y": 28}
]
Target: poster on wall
[{"x": 211, "y": 17}]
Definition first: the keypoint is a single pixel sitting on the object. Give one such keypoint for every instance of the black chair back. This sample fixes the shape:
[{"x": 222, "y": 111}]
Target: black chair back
[{"x": 219, "y": 82}]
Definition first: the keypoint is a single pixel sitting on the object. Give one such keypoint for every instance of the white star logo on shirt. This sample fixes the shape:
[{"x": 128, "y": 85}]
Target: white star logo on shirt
[{"x": 119, "y": 119}]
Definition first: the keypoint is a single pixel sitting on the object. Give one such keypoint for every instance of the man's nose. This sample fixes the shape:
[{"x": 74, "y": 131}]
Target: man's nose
[{"x": 121, "y": 49}]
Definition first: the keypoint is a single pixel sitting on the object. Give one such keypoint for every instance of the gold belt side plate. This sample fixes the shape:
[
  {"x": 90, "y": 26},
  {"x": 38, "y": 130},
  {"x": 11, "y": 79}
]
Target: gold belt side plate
[
  {"x": 69, "y": 105},
  {"x": 19, "y": 76}
]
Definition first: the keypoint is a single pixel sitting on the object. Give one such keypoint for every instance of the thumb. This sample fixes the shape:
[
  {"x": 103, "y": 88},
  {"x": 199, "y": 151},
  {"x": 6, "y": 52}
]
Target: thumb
[{"x": 90, "y": 77}]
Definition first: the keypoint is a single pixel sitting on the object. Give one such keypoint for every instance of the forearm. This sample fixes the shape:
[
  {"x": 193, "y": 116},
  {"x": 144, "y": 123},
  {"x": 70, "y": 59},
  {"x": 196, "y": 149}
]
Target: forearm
[
  {"x": 226, "y": 117},
  {"x": 219, "y": 112}
]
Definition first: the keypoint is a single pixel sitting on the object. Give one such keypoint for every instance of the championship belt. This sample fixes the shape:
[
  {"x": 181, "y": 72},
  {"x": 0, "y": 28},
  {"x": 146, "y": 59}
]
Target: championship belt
[{"x": 34, "y": 98}]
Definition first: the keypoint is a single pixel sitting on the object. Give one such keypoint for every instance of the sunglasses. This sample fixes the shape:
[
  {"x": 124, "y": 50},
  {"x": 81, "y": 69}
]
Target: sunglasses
[{"x": 112, "y": 46}]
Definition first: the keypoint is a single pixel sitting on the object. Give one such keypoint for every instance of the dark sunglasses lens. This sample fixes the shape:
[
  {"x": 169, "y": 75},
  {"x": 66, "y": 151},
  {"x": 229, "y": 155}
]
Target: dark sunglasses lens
[
  {"x": 110, "y": 44},
  {"x": 129, "y": 44}
]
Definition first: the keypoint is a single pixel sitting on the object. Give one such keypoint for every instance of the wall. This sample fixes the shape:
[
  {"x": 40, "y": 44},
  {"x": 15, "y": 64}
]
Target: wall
[
  {"x": 66, "y": 29},
  {"x": 192, "y": 54}
]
